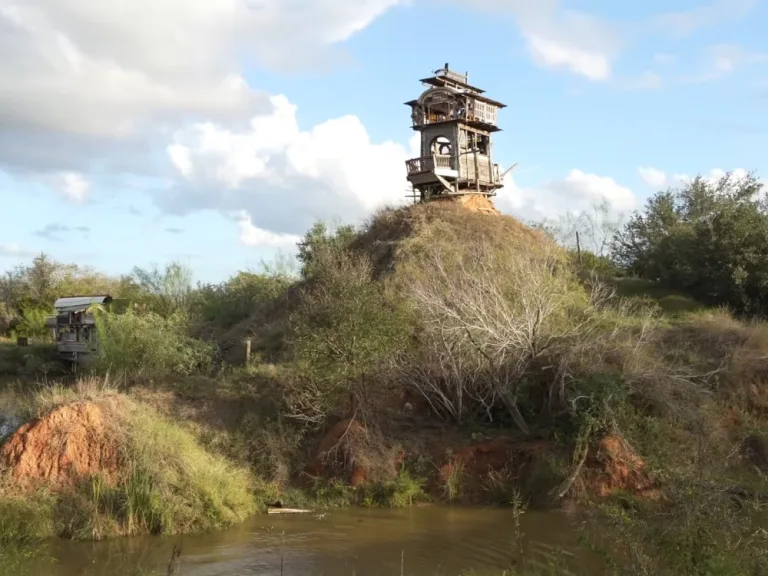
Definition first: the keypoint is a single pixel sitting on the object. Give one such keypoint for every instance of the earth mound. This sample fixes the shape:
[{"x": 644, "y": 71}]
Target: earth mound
[
  {"x": 395, "y": 240},
  {"x": 98, "y": 464},
  {"x": 71, "y": 443}
]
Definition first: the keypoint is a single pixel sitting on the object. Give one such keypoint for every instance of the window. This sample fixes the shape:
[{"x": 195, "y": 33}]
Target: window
[{"x": 441, "y": 146}]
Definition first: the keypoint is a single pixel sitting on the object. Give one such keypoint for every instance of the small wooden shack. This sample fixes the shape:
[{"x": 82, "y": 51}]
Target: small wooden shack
[{"x": 74, "y": 327}]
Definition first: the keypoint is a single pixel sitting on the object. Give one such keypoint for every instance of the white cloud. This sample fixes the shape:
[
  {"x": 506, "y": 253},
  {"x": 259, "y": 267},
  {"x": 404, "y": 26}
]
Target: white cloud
[
  {"x": 659, "y": 180},
  {"x": 97, "y": 88},
  {"x": 74, "y": 186},
  {"x": 580, "y": 43},
  {"x": 653, "y": 177},
  {"x": 577, "y": 192},
  {"x": 250, "y": 235},
  {"x": 553, "y": 54},
  {"x": 283, "y": 177},
  {"x": 94, "y": 85}
]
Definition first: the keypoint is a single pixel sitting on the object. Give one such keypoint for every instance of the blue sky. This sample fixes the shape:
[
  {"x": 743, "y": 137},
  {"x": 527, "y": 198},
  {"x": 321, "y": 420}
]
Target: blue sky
[{"x": 215, "y": 133}]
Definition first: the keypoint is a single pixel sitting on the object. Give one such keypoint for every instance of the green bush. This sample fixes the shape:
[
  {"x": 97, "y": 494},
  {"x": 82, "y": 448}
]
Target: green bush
[
  {"x": 706, "y": 239},
  {"x": 226, "y": 304},
  {"x": 32, "y": 324},
  {"x": 137, "y": 345},
  {"x": 342, "y": 331}
]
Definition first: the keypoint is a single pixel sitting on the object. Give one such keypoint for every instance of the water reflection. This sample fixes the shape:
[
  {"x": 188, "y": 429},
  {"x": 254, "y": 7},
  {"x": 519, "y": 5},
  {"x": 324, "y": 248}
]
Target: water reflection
[{"x": 429, "y": 540}]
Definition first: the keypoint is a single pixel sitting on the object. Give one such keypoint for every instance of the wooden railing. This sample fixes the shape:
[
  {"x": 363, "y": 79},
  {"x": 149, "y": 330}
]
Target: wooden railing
[
  {"x": 429, "y": 163},
  {"x": 476, "y": 112}
]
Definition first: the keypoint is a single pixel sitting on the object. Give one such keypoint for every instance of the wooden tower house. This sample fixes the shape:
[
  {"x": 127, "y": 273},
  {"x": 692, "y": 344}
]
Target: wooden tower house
[{"x": 456, "y": 121}]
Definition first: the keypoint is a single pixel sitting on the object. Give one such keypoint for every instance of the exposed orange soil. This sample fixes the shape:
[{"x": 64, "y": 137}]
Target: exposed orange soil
[
  {"x": 472, "y": 203},
  {"x": 617, "y": 468},
  {"x": 72, "y": 442}
]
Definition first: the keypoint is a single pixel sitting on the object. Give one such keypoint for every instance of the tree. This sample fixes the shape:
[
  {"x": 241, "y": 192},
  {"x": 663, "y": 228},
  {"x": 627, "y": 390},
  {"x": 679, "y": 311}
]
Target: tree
[
  {"x": 587, "y": 235},
  {"x": 320, "y": 239},
  {"x": 595, "y": 229},
  {"x": 165, "y": 292},
  {"x": 706, "y": 238}
]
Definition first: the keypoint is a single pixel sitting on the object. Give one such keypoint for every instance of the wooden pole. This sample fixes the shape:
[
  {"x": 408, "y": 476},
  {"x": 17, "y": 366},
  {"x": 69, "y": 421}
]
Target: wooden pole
[
  {"x": 248, "y": 351},
  {"x": 578, "y": 248}
]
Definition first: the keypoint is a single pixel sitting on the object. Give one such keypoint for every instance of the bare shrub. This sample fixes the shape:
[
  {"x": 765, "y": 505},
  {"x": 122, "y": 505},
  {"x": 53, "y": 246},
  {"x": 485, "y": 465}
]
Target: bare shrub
[
  {"x": 496, "y": 322},
  {"x": 488, "y": 316}
]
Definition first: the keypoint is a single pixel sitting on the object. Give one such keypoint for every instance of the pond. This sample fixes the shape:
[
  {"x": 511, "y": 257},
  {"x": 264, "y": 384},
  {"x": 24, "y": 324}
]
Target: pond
[{"x": 424, "y": 541}]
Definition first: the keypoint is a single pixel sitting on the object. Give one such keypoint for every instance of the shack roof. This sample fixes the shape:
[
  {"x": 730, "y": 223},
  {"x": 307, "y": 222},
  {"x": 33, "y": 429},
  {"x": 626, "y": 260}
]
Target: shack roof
[{"x": 78, "y": 303}]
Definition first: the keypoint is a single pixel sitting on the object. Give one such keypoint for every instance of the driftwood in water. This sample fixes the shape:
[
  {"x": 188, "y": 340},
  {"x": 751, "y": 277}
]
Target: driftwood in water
[{"x": 287, "y": 511}]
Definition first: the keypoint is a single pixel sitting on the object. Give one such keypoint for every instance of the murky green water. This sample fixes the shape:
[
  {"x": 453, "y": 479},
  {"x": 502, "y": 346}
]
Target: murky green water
[{"x": 429, "y": 541}]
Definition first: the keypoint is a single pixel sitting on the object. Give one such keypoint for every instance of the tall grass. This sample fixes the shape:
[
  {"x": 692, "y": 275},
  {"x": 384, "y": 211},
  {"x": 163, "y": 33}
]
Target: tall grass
[{"x": 166, "y": 482}]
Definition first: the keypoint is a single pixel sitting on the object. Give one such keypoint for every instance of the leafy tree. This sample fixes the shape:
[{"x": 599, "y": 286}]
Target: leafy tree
[
  {"x": 167, "y": 291},
  {"x": 320, "y": 239},
  {"x": 228, "y": 303},
  {"x": 706, "y": 238},
  {"x": 342, "y": 332}
]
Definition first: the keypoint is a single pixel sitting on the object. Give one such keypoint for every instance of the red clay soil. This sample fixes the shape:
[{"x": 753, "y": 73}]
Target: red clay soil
[
  {"x": 473, "y": 203},
  {"x": 616, "y": 468},
  {"x": 478, "y": 459},
  {"x": 70, "y": 443},
  {"x": 324, "y": 462},
  {"x": 334, "y": 457}
]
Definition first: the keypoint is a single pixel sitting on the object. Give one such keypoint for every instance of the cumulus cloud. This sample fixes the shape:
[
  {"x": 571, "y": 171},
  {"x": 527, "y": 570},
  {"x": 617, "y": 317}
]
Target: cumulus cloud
[
  {"x": 94, "y": 84},
  {"x": 660, "y": 180},
  {"x": 251, "y": 235},
  {"x": 653, "y": 177},
  {"x": 576, "y": 192},
  {"x": 285, "y": 178},
  {"x": 98, "y": 89}
]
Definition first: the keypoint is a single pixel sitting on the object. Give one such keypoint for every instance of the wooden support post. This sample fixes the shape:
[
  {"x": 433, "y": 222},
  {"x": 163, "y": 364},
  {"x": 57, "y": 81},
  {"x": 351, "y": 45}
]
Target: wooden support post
[
  {"x": 578, "y": 247},
  {"x": 248, "y": 351}
]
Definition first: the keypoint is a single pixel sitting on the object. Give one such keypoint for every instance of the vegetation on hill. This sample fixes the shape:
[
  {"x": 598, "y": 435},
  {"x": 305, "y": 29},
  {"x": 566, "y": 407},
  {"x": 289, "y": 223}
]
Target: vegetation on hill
[
  {"x": 436, "y": 353},
  {"x": 125, "y": 470}
]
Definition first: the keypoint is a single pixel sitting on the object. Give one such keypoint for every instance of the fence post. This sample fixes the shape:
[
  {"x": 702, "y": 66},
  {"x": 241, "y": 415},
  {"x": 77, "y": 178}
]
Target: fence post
[{"x": 248, "y": 351}]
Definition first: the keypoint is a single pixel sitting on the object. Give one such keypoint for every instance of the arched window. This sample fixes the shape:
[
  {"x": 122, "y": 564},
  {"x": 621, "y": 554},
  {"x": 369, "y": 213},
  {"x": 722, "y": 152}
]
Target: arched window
[{"x": 442, "y": 146}]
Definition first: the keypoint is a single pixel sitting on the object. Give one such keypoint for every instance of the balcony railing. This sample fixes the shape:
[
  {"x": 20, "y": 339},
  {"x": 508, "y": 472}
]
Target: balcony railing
[{"x": 429, "y": 163}]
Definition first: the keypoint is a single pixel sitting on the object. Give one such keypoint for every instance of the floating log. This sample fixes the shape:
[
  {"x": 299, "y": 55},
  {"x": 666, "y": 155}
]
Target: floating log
[{"x": 287, "y": 511}]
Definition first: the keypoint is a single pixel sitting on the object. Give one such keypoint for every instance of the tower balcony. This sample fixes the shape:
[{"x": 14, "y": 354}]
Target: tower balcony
[{"x": 424, "y": 168}]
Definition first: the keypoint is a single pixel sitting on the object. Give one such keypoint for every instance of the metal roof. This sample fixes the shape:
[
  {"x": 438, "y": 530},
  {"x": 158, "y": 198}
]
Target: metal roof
[{"x": 80, "y": 302}]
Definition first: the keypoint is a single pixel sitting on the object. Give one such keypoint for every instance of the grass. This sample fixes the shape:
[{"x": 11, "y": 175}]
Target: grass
[
  {"x": 166, "y": 483},
  {"x": 673, "y": 303}
]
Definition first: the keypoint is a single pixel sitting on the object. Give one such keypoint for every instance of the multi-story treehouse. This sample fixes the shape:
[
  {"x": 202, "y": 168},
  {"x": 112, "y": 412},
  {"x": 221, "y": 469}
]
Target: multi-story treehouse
[{"x": 456, "y": 122}]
